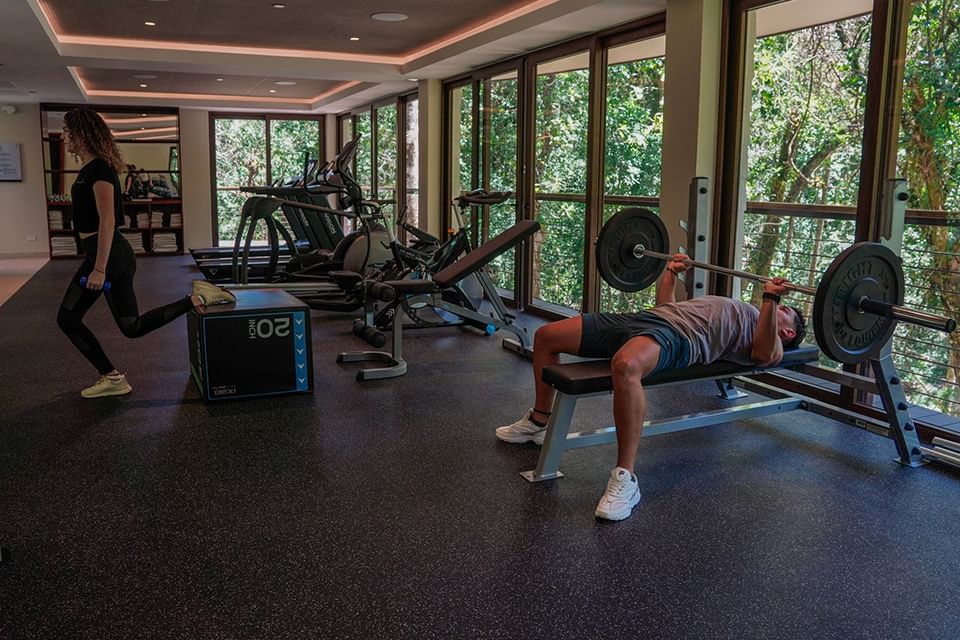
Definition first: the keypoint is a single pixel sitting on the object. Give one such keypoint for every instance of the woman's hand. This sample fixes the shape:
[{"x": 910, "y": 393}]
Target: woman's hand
[{"x": 95, "y": 280}]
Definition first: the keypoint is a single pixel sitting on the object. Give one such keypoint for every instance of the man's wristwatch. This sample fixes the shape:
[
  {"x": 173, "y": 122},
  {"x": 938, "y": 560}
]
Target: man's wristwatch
[{"x": 771, "y": 296}]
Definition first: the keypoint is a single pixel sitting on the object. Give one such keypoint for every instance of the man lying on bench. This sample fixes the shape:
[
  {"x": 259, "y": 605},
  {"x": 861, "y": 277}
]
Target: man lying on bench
[{"x": 671, "y": 335}]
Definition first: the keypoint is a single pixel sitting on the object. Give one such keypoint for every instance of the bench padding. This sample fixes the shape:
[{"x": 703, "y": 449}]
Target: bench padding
[
  {"x": 478, "y": 258},
  {"x": 578, "y": 378}
]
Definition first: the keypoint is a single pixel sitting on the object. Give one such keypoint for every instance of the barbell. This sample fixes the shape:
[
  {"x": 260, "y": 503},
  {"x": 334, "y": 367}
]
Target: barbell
[{"x": 855, "y": 308}]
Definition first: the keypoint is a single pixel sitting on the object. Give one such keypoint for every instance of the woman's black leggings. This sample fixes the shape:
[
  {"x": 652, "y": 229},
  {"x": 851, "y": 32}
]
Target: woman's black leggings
[{"x": 122, "y": 299}]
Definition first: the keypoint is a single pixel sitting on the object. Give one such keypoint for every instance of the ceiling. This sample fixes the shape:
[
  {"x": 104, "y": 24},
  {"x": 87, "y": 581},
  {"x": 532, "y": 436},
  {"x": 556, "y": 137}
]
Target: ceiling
[{"x": 249, "y": 55}]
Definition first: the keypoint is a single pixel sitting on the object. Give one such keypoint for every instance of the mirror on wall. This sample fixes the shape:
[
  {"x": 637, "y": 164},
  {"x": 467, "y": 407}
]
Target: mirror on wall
[{"x": 148, "y": 141}]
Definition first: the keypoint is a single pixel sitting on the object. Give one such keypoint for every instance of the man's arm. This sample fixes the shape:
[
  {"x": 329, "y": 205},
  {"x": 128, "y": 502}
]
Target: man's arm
[
  {"x": 767, "y": 348},
  {"x": 667, "y": 283}
]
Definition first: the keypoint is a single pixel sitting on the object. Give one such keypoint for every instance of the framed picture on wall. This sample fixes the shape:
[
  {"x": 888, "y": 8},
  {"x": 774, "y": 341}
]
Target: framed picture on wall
[{"x": 10, "y": 167}]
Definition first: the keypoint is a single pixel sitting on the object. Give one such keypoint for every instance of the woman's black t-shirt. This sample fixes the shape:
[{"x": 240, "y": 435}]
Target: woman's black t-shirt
[{"x": 85, "y": 216}]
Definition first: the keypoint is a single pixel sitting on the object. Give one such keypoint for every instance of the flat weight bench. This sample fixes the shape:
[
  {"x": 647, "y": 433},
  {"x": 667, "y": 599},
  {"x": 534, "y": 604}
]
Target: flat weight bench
[
  {"x": 593, "y": 378},
  {"x": 430, "y": 292}
]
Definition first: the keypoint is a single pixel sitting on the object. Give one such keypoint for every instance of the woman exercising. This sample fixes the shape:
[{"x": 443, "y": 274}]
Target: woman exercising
[{"x": 108, "y": 257}]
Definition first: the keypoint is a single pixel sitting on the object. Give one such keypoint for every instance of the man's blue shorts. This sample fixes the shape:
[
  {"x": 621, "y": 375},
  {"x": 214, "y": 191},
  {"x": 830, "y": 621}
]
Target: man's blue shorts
[{"x": 603, "y": 334}]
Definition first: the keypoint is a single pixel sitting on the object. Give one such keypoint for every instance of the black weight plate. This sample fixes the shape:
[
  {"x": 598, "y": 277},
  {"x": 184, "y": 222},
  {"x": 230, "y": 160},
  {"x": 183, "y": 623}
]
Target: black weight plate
[
  {"x": 615, "y": 258},
  {"x": 843, "y": 332}
]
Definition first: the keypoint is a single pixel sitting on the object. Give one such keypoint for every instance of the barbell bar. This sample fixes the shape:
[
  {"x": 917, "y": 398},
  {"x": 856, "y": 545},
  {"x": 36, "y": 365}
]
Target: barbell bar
[{"x": 864, "y": 303}]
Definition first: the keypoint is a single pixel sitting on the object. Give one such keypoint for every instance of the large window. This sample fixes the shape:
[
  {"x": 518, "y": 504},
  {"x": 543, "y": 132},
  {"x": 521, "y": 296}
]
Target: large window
[
  {"x": 386, "y": 121},
  {"x": 526, "y": 126},
  {"x": 499, "y": 168},
  {"x": 411, "y": 159},
  {"x": 255, "y": 151},
  {"x": 560, "y": 177},
  {"x": 806, "y": 131},
  {"x": 929, "y": 158},
  {"x": 633, "y": 139},
  {"x": 387, "y": 161},
  {"x": 823, "y": 140}
]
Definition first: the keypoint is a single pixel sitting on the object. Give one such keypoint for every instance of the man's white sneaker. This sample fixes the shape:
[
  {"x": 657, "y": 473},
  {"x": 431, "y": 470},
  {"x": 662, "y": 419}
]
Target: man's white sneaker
[
  {"x": 211, "y": 293},
  {"x": 621, "y": 496},
  {"x": 108, "y": 386},
  {"x": 522, "y": 431}
]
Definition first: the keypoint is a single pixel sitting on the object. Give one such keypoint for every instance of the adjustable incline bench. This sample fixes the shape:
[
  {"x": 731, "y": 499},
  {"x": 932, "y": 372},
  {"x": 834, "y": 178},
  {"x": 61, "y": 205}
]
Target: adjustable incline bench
[
  {"x": 577, "y": 380},
  {"x": 430, "y": 292}
]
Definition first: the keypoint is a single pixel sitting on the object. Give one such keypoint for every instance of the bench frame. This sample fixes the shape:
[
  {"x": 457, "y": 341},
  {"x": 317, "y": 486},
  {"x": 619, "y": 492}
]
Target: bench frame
[
  {"x": 559, "y": 439},
  {"x": 899, "y": 427}
]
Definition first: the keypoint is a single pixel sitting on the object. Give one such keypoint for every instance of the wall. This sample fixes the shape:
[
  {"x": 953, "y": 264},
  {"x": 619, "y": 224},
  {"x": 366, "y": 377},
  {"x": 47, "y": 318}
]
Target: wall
[
  {"x": 195, "y": 178},
  {"x": 23, "y": 211}
]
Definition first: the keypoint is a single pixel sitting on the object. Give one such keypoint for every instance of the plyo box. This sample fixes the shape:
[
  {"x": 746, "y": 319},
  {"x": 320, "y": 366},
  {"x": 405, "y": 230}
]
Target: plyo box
[{"x": 258, "y": 346}]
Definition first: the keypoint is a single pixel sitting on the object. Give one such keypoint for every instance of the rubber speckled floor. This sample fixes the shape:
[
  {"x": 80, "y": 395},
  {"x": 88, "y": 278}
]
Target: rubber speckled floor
[{"x": 388, "y": 509}]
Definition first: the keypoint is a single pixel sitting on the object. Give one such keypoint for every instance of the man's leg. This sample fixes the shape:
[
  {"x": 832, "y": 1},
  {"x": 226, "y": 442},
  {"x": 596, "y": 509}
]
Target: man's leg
[
  {"x": 637, "y": 358},
  {"x": 549, "y": 342}
]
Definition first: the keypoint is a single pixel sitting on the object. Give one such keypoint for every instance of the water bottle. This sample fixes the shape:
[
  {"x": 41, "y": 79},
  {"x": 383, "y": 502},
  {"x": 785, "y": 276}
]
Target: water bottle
[{"x": 83, "y": 283}]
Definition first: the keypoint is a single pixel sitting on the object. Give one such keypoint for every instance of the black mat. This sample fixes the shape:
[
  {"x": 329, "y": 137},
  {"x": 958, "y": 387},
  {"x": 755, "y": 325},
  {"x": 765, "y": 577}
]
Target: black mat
[{"x": 388, "y": 510}]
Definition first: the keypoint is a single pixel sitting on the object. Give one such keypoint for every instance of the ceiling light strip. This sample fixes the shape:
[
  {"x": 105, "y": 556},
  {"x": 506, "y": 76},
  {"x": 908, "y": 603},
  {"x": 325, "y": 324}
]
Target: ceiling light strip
[
  {"x": 228, "y": 49},
  {"x": 136, "y": 132},
  {"x": 203, "y": 96},
  {"x": 139, "y": 120},
  {"x": 437, "y": 45}
]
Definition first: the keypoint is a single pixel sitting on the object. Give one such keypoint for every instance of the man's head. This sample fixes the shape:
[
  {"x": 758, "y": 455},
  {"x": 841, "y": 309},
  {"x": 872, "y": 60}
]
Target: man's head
[{"x": 790, "y": 326}]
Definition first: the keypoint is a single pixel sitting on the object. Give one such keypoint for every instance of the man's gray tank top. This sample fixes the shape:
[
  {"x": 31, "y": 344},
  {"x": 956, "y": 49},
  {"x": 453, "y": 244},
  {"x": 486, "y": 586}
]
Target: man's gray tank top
[{"x": 718, "y": 328}]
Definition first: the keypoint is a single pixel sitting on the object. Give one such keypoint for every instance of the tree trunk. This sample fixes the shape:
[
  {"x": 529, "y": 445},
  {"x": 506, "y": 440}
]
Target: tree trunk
[{"x": 925, "y": 168}]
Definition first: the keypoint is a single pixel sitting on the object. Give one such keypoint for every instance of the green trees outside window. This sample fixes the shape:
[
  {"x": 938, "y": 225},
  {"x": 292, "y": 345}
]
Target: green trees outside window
[
  {"x": 240, "y": 151},
  {"x": 806, "y": 130},
  {"x": 929, "y": 158},
  {"x": 560, "y": 170}
]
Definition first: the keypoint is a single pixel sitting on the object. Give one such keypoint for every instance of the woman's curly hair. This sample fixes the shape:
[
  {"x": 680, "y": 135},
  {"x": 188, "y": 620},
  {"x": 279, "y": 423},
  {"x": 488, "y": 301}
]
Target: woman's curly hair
[{"x": 89, "y": 131}]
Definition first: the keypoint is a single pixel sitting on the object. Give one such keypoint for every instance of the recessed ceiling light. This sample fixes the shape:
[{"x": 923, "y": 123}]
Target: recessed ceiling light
[
  {"x": 144, "y": 76},
  {"x": 150, "y": 24},
  {"x": 413, "y": 79},
  {"x": 143, "y": 86},
  {"x": 143, "y": 115},
  {"x": 354, "y": 38},
  {"x": 284, "y": 83},
  {"x": 273, "y": 90},
  {"x": 389, "y": 16},
  {"x": 219, "y": 79},
  {"x": 278, "y": 5}
]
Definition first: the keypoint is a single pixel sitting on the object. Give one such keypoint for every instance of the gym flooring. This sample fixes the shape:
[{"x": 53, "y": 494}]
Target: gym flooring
[{"x": 389, "y": 510}]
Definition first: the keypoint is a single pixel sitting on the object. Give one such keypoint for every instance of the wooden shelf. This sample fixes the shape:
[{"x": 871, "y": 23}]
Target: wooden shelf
[{"x": 59, "y": 204}]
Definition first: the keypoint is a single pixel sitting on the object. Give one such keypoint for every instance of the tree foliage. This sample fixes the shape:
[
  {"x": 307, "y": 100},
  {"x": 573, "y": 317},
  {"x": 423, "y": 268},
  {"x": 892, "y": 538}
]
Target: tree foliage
[{"x": 240, "y": 149}]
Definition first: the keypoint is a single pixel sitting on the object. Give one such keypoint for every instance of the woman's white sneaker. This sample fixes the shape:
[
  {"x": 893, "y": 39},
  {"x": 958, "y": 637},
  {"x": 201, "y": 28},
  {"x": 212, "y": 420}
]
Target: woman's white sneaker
[
  {"x": 108, "y": 386},
  {"x": 523, "y": 430},
  {"x": 621, "y": 496}
]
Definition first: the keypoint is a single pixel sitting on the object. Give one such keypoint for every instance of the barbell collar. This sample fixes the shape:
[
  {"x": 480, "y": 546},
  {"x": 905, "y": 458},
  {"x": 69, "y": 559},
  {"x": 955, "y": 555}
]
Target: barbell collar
[{"x": 910, "y": 316}]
